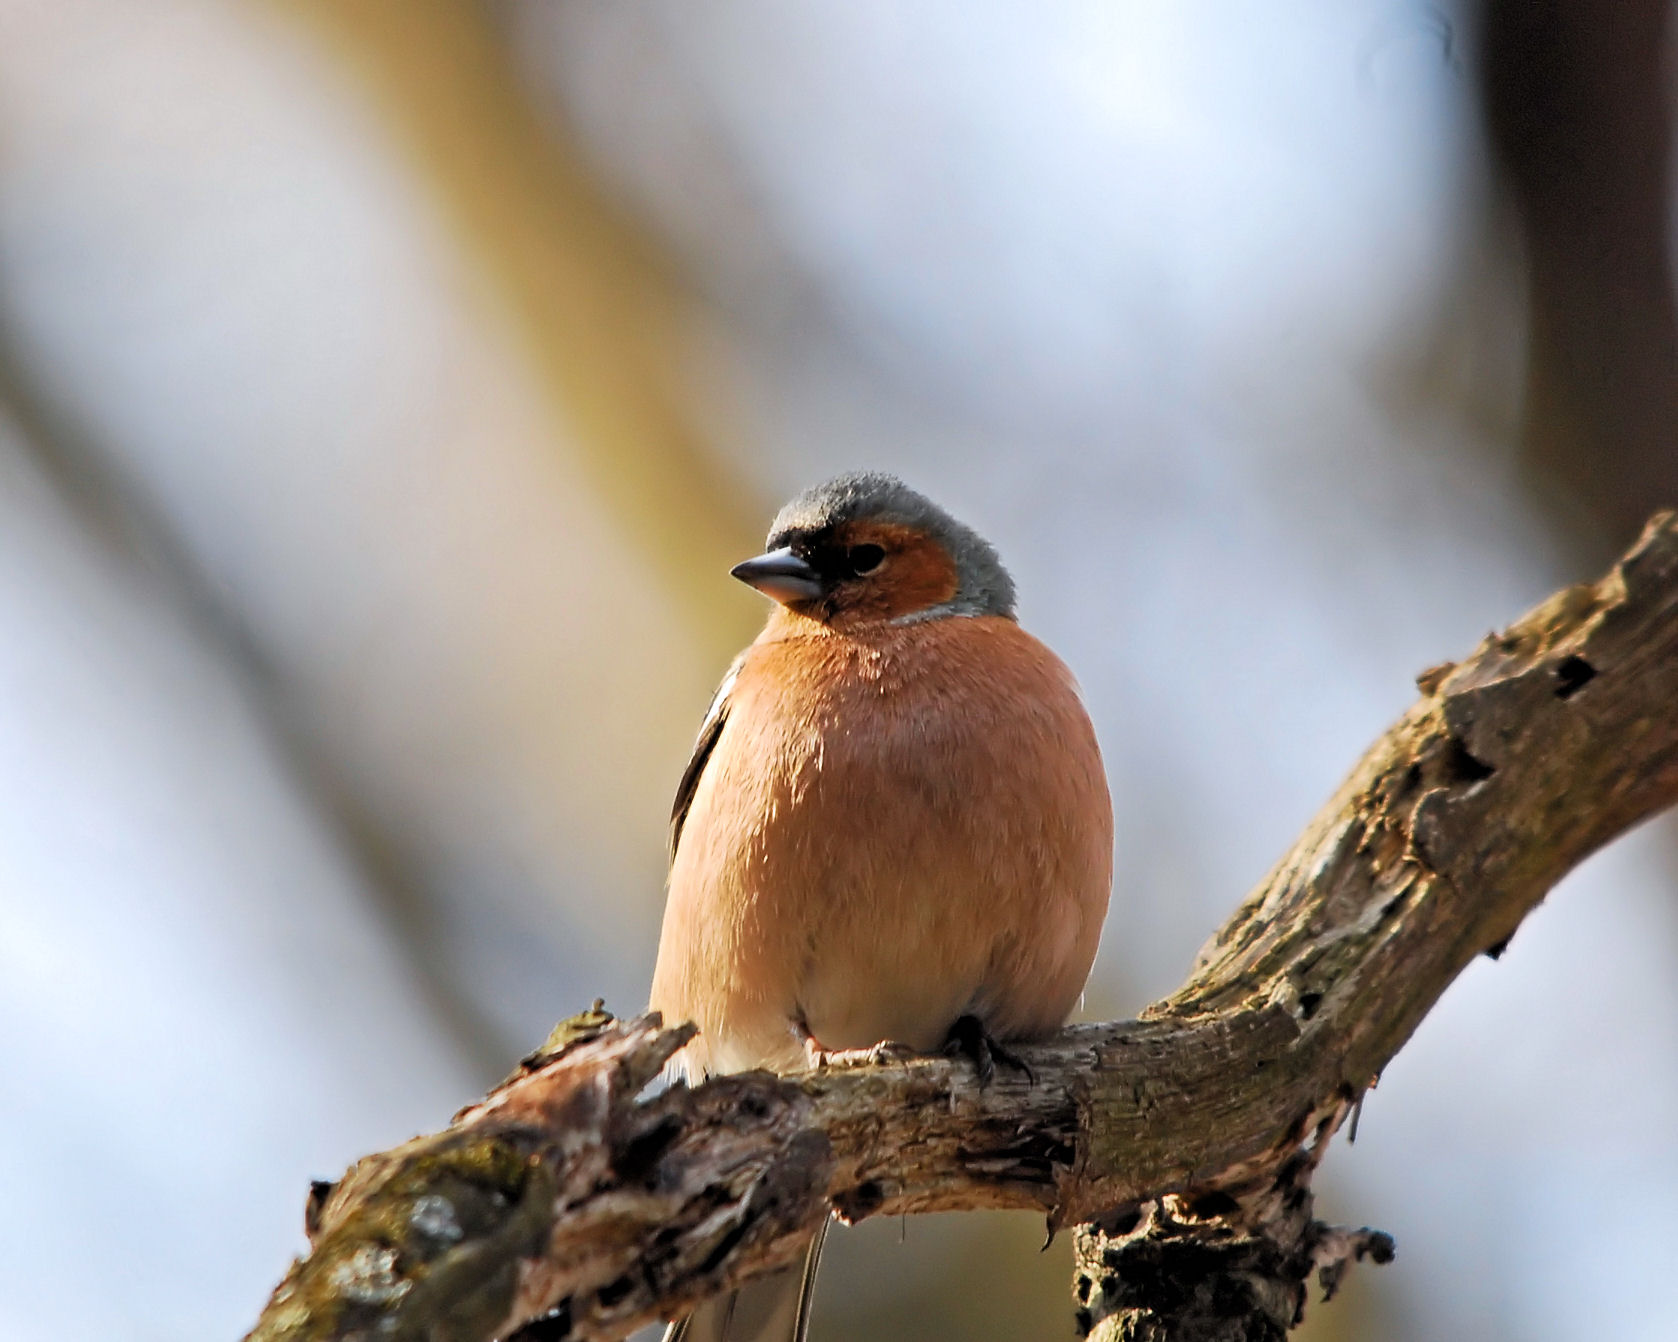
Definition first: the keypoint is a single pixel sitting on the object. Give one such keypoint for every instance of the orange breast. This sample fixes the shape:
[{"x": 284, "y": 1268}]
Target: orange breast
[{"x": 898, "y": 825}]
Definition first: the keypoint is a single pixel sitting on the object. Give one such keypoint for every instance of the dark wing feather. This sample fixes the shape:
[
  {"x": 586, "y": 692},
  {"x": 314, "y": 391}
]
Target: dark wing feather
[{"x": 709, "y": 731}]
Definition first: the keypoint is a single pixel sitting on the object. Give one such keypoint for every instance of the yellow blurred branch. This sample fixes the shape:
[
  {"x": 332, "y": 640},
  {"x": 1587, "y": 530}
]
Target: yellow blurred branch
[{"x": 599, "y": 306}]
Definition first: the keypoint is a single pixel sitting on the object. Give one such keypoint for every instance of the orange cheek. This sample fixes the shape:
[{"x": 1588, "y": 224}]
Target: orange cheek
[
  {"x": 921, "y": 577},
  {"x": 915, "y": 576}
]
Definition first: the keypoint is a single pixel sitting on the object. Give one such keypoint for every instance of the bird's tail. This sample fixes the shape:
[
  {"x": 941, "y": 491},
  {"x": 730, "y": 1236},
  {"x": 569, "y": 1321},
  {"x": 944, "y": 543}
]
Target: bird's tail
[{"x": 775, "y": 1308}]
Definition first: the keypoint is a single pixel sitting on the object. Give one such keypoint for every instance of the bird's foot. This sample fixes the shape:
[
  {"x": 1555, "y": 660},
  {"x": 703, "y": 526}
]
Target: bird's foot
[
  {"x": 886, "y": 1051},
  {"x": 970, "y": 1039}
]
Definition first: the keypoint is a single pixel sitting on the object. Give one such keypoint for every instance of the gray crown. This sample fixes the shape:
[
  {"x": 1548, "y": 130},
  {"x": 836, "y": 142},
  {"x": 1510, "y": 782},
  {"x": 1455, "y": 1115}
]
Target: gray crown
[{"x": 984, "y": 585}]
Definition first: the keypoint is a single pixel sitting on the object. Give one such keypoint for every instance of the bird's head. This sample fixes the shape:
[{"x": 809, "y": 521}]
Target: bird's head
[{"x": 866, "y": 548}]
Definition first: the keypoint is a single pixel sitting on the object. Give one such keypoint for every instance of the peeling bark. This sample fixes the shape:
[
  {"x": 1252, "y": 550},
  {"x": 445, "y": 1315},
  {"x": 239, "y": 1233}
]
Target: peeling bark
[{"x": 572, "y": 1201}]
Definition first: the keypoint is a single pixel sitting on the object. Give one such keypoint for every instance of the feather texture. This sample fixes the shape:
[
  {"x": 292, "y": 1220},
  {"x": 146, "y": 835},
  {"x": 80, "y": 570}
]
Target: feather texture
[{"x": 895, "y": 825}]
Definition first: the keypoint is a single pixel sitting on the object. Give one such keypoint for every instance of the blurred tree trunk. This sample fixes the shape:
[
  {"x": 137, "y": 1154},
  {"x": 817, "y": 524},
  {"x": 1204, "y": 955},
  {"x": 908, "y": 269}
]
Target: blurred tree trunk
[{"x": 1578, "y": 115}]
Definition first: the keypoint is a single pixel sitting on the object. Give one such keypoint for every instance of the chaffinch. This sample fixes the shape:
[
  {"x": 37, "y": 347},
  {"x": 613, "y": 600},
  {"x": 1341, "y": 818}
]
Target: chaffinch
[{"x": 895, "y": 825}]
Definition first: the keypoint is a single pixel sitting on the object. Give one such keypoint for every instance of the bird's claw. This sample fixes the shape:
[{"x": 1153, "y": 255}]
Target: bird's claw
[
  {"x": 970, "y": 1039},
  {"x": 886, "y": 1051}
]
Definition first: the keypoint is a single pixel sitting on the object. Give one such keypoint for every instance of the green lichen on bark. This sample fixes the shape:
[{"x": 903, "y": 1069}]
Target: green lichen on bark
[{"x": 426, "y": 1246}]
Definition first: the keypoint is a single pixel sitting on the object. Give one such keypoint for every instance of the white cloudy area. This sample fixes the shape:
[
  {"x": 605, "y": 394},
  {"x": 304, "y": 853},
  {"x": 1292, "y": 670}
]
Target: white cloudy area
[{"x": 1192, "y": 309}]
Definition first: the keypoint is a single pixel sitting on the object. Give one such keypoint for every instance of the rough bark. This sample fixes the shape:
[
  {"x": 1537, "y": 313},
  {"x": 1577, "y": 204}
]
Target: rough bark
[{"x": 572, "y": 1198}]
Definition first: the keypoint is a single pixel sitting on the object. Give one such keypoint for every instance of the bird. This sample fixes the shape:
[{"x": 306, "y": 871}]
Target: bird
[{"x": 894, "y": 829}]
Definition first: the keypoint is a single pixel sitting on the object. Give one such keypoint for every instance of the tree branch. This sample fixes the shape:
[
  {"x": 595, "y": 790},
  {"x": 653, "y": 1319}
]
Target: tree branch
[{"x": 570, "y": 1196}]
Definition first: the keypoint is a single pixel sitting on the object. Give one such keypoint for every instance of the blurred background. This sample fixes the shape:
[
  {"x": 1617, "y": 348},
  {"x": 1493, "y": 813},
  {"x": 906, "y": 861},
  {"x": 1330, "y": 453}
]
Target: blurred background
[{"x": 386, "y": 387}]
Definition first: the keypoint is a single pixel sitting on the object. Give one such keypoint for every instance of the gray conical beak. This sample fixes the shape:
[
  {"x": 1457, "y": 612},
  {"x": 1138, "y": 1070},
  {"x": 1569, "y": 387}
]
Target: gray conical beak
[{"x": 780, "y": 574}]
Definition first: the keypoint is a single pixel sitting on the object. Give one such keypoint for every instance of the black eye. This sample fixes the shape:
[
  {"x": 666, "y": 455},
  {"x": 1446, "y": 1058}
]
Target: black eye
[{"x": 864, "y": 558}]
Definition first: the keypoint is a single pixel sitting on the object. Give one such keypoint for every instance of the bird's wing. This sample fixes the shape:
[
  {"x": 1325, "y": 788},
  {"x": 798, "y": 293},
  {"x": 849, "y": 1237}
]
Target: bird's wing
[{"x": 709, "y": 730}]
